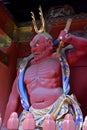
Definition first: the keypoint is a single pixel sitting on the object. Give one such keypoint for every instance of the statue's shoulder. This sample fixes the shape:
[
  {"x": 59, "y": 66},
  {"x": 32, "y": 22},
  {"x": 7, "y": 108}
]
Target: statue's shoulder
[
  {"x": 23, "y": 62},
  {"x": 54, "y": 55}
]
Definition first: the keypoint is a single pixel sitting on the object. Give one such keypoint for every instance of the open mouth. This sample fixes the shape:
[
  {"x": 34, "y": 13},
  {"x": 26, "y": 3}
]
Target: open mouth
[{"x": 38, "y": 53}]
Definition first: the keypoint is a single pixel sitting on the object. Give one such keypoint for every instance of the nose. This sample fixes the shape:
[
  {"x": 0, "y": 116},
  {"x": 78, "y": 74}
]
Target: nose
[{"x": 33, "y": 49}]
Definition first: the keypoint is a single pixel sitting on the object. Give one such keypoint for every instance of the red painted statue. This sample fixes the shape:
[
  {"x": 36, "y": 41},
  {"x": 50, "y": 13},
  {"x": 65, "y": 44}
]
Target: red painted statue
[{"x": 42, "y": 80}]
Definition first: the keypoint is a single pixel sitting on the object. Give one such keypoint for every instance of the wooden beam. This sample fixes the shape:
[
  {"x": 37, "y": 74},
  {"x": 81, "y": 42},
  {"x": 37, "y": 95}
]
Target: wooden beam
[{"x": 4, "y": 58}]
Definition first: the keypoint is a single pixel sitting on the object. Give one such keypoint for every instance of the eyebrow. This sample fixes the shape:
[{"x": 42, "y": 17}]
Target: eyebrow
[{"x": 34, "y": 43}]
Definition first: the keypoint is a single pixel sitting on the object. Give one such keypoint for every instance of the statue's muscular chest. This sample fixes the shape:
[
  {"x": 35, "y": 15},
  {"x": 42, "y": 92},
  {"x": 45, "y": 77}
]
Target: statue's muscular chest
[{"x": 47, "y": 69}]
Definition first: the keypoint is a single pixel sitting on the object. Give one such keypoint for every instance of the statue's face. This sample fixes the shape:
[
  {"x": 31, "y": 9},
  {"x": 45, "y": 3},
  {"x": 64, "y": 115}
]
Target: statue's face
[{"x": 39, "y": 46}]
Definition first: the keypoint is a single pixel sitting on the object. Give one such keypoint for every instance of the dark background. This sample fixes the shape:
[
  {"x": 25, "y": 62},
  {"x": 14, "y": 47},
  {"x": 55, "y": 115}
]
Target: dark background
[{"x": 20, "y": 9}]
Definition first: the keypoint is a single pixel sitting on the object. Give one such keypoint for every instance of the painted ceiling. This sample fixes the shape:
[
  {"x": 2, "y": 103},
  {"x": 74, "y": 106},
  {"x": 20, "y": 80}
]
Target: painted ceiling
[{"x": 20, "y": 9}]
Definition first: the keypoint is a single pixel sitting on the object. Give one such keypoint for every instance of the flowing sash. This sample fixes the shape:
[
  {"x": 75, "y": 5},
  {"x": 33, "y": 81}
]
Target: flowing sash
[
  {"x": 21, "y": 86},
  {"x": 65, "y": 69}
]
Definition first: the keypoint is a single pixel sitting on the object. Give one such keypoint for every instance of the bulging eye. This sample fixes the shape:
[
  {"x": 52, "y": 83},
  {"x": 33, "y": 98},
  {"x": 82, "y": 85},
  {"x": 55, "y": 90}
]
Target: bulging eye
[{"x": 36, "y": 44}]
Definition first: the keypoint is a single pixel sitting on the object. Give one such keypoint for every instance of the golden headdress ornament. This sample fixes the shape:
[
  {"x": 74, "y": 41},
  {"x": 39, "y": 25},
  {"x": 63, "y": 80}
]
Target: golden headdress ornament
[{"x": 42, "y": 28}]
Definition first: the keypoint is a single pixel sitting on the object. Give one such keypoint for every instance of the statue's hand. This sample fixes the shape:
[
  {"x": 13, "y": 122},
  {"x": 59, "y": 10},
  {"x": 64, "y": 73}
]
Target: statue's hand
[{"x": 64, "y": 36}]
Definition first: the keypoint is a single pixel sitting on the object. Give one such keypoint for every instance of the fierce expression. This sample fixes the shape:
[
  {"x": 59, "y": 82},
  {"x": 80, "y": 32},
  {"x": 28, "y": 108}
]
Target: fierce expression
[{"x": 41, "y": 46}]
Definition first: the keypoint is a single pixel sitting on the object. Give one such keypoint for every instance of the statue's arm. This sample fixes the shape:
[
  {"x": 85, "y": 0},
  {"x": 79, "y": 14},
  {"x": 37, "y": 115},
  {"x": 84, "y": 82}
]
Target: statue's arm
[
  {"x": 79, "y": 46},
  {"x": 12, "y": 103},
  {"x": 79, "y": 50}
]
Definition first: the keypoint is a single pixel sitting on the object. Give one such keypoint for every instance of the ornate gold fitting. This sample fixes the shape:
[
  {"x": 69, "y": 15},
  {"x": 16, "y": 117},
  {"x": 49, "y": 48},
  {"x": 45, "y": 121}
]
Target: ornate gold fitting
[{"x": 42, "y": 28}]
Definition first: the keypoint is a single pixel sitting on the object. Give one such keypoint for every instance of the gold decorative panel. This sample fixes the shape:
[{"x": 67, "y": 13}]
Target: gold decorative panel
[{"x": 5, "y": 41}]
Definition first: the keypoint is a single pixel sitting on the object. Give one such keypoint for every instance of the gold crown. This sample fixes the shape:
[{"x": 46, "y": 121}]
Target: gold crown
[{"x": 42, "y": 28}]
